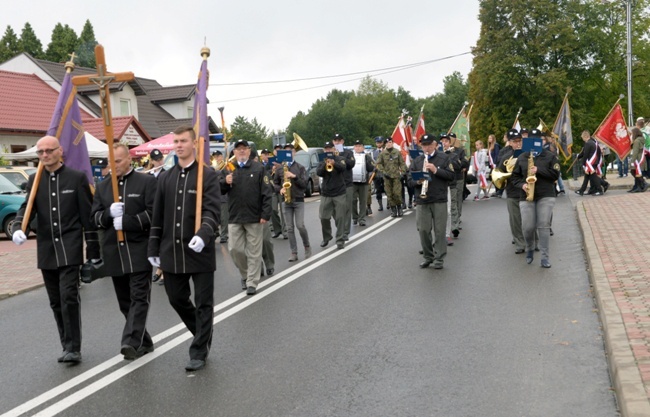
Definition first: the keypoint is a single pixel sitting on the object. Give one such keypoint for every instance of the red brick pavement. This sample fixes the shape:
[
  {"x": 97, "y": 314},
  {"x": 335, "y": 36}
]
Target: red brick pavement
[
  {"x": 18, "y": 271},
  {"x": 617, "y": 245}
]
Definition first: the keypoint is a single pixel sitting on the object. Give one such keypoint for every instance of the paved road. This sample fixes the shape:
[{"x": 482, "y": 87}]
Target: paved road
[{"x": 357, "y": 332}]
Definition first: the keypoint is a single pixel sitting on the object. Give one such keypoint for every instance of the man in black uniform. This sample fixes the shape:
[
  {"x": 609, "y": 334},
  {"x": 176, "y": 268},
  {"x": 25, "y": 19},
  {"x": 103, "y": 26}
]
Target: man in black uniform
[
  {"x": 432, "y": 207},
  {"x": 182, "y": 251},
  {"x": 332, "y": 202},
  {"x": 536, "y": 214},
  {"x": 62, "y": 205},
  {"x": 348, "y": 156},
  {"x": 126, "y": 261},
  {"x": 249, "y": 202},
  {"x": 513, "y": 193},
  {"x": 457, "y": 198},
  {"x": 589, "y": 157}
]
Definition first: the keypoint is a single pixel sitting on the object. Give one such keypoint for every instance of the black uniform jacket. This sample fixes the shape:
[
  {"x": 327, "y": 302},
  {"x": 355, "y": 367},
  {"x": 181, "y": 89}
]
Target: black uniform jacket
[
  {"x": 588, "y": 151},
  {"x": 548, "y": 171},
  {"x": 298, "y": 184},
  {"x": 174, "y": 214},
  {"x": 62, "y": 205},
  {"x": 137, "y": 192},
  {"x": 249, "y": 195},
  {"x": 348, "y": 157},
  {"x": 438, "y": 184},
  {"x": 456, "y": 163},
  {"x": 512, "y": 191},
  {"x": 463, "y": 163},
  {"x": 333, "y": 182}
]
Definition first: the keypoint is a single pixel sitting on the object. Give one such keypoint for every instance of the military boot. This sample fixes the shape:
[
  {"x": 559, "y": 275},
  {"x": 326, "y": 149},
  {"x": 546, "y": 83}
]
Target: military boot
[
  {"x": 381, "y": 206},
  {"x": 400, "y": 213},
  {"x": 394, "y": 213}
]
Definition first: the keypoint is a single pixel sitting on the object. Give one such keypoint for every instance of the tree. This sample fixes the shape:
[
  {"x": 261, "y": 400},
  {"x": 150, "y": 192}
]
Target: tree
[
  {"x": 63, "y": 43},
  {"x": 374, "y": 109},
  {"x": 86, "y": 48},
  {"x": 30, "y": 43},
  {"x": 250, "y": 131},
  {"x": 9, "y": 45},
  {"x": 441, "y": 109}
]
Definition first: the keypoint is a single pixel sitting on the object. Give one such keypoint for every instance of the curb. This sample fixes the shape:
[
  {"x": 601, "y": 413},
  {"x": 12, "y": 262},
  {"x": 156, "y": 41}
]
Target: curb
[
  {"x": 624, "y": 372},
  {"x": 20, "y": 291}
]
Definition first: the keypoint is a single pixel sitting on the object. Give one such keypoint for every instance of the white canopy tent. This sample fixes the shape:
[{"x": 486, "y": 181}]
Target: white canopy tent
[{"x": 96, "y": 149}]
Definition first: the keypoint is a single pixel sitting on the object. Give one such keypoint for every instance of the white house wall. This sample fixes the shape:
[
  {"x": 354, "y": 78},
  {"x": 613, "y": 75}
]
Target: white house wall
[{"x": 179, "y": 110}]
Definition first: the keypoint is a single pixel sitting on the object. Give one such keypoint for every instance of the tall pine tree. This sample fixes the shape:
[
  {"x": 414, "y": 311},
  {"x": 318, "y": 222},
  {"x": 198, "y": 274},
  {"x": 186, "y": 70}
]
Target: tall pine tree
[
  {"x": 64, "y": 42},
  {"x": 30, "y": 43},
  {"x": 86, "y": 48},
  {"x": 9, "y": 45}
]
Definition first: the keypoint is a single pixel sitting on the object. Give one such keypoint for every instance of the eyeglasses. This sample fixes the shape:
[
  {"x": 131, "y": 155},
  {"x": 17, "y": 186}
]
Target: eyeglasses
[{"x": 46, "y": 151}]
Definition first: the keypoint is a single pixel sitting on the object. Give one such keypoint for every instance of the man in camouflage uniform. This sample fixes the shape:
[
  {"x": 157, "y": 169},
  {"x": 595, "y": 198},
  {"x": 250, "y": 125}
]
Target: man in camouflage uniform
[{"x": 391, "y": 165}]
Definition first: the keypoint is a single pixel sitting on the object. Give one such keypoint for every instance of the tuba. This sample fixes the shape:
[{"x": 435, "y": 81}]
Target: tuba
[
  {"x": 531, "y": 179},
  {"x": 499, "y": 178}
]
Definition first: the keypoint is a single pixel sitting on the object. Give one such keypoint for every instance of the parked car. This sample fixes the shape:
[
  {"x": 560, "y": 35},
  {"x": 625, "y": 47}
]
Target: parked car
[
  {"x": 11, "y": 198},
  {"x": 18, "y": 175},
  {"x": 309, "y": 159}
]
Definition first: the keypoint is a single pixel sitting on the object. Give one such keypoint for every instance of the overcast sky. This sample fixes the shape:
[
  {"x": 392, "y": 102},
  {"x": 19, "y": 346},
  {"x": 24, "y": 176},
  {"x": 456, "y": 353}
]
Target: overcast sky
[{"x": 255, "y": 41}]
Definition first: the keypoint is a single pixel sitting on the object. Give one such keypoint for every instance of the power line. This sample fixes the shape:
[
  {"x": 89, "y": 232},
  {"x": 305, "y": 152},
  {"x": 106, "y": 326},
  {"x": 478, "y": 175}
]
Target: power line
[{"x": 386, "y": 71}]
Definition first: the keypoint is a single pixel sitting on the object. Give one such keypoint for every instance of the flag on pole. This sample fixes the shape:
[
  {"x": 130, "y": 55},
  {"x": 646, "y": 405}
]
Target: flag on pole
[
  {"x": 613, "y": 132},
  {"x": 67, "y": 127},
  {"x": 419, "y": 127},
  {"x": 200, "y": 117},
  {"x": 399, "y": 139},
  {"x": 461, "y": 129},
  {"x": 562, "y": 128},
  {"x": 408, "y": 131}
]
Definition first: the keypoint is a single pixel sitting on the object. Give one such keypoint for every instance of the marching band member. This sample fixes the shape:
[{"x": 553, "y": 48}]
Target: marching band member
[
  {"x": 391, "y": 165},
  {"x": 538, "y": 197},
  {"x": 348, "y": 157},
  {"x": 457, "y": 198},
  {"x": 249, "y": 199},
  {"x": 156, "y": 162},
  {"x": 268, "y": 255},
  {"x": 480, "y": 169},
  {"x": 127, "y": 262},
  {"x": 294, "y": 209},
  {"x": 453, "y": 189},
  {"x": 182, "y": 253},
  {"x": 378, "y": 179},
  {"x": 362, "y": 167},
  {"x": 431, "y": 207},
  {"x": 513, "y": 193},
  {"x": 62, "y": 207},
  {"x": 277, "y": 216},
  {"x": 332, "y": 202}
]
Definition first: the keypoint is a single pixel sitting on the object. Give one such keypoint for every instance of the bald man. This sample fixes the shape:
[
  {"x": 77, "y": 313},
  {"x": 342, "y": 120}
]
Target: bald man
[{"x": 62, "y": 205}]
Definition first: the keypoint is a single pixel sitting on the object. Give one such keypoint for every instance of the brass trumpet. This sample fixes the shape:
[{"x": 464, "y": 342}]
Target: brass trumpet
[
  {"x": 330, "y": 167},
  {"x": 499, "y": 178}
]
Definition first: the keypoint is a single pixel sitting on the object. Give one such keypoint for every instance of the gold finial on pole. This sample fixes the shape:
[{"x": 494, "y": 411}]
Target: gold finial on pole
[
  {"x": 69, "y": 66},
  {"x": 205, "y": 52}
]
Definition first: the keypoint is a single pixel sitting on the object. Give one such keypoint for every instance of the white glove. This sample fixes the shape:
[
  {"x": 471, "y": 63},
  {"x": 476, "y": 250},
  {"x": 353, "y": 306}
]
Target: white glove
[
  {"x": 19, "y": 237},
  {"x": 117, "y": 223},
  {"x": 196, "y": 244},
  {"x": 154, "y": 261},
  {"x": 117, "y": 209}
]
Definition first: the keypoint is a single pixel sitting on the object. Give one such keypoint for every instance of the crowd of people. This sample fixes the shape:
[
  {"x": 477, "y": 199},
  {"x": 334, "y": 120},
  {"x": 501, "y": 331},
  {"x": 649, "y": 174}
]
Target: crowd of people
[{"x": 163, "y": 225}]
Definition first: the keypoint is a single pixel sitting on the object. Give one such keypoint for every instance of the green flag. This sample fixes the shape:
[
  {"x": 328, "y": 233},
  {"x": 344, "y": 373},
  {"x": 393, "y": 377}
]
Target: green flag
[{"x": 461, "y": 129}]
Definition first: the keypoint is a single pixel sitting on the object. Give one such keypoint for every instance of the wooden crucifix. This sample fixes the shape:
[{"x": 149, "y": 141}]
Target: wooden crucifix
[{"x": 102, "y": 80}]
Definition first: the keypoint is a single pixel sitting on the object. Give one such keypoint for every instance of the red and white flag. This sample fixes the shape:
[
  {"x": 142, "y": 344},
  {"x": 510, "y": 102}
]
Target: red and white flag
[
  {"x": 613, "y": 132},
  {"x": 399, "y": 139},
  {"x": 419, "y": 127}
]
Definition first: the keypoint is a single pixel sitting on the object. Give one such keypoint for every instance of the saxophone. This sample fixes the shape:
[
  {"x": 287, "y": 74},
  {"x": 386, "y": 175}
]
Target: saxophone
[
  {"x": 530, "y": 179},
  {"x": 286, "y": 184}
]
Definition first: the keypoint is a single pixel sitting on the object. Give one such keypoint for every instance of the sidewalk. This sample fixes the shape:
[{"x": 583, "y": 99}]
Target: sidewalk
[{"x": 617, "y": 247}]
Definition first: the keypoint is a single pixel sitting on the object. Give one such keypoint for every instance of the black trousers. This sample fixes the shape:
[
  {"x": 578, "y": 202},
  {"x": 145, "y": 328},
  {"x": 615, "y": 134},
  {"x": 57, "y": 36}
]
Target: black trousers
[
  {"x": 197, "y": 319},
  {"x": 133, "y": 293},
  {"x": 62, "y": 286},
  {"x": 593, "y": 180}
]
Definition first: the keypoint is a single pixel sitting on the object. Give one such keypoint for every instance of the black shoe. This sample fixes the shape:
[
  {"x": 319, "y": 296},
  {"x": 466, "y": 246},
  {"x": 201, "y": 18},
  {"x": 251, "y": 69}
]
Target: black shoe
[
  {"x": 224, "y": 239},
  {"x": 421, "y": 252},
  {"x": 340, "y": 245},
  {"x": 638, "y": 190},
  {"x": 72, "y": 357},
  {"x": 403, "y": 206},
  {"x": 60, "y": 358},
  {"x": 519, "y": 251},
  {"x": 243, "y": 284},
  {"x": 598, "y": 193},
  {"x": 529, "y": 257},
  {"x": 285, "y": 237},
  {"x": 194, "y": 365},
  {"x": 275, "y": 235},
  {"x": 155, "y": 277},
  {"x": 270, "y": 271},
  {"x": 262, "y": 272},
  {"x": 381, "y": 206},
  {"x": 580, "y": 193},
  {"x": 129, "y": 352},
  {"x": 324, "y": 243},
  {"x": 437, "y": 266},
  {"x": 345, "y": 238},
  {"x": 425, "y": 264},
  {"x": 551, "y": 231},
  {"x": 143, "y": 350},
  {"x": 633, "y": 190},
  {"x": 362, "y": 224},
  {"x": 546, "y": 263},
  {"x": 369, "y": 211},
  {"x": 605, "y": 187},
  {"x": 410, "y": 205},
  {"x": 355, "y": 222},
  {"x": 455, "y": 232},
  {"x": 251, "y": 291}
]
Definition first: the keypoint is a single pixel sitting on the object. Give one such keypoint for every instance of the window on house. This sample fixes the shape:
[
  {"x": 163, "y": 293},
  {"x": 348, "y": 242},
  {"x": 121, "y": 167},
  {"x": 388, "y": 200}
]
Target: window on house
[
  {"x": 125, "y": 107},
  {"x": 190, "y": 112}
]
